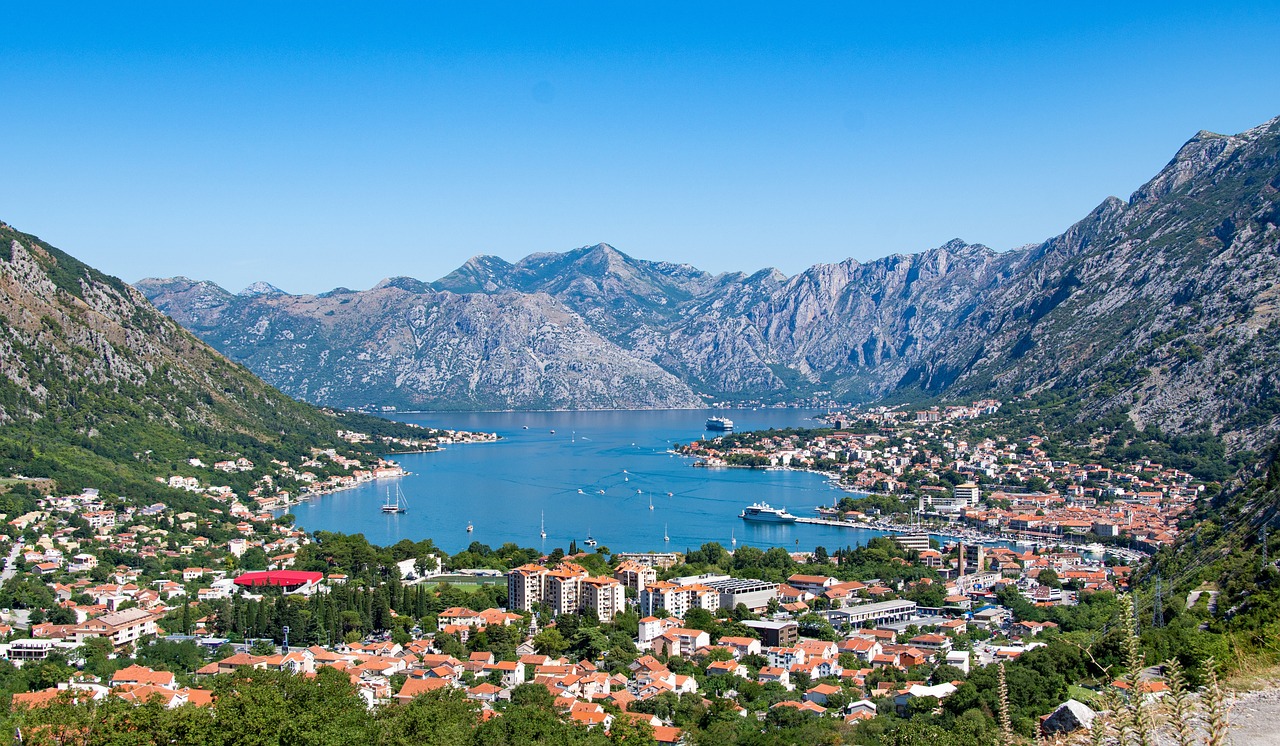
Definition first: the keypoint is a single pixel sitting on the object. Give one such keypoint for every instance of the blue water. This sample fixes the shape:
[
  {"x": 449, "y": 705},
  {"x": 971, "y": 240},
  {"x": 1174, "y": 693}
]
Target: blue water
[{"x": 504, "y": 488}]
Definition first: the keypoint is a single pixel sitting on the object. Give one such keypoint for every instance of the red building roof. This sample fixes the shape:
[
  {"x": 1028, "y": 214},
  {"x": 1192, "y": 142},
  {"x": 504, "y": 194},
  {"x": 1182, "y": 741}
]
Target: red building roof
[{"x": 279, "y": 578}]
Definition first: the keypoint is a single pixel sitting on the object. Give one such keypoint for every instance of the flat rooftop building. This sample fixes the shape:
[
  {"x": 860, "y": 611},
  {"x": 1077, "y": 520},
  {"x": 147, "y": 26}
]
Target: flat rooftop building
[
  {"x": 878, "y": 614},
  {"x": 775, "y": 634},
  {"x": 754, "y": 594}
]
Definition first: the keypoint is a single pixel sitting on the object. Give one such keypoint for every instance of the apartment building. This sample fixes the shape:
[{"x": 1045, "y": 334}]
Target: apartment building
[
  {"x": 568, "y": 589},
  {"x": 677, "y": 599}
]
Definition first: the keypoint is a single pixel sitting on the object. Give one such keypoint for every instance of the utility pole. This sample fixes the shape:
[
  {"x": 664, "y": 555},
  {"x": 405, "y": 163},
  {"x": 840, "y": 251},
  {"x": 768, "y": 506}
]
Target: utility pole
[{"x": 1157, "y": 612}]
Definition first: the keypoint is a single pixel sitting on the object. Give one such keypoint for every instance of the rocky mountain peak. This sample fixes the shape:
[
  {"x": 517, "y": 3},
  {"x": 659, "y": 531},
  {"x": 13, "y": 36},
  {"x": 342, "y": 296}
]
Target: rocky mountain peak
[
  {"x": 483, "y": 273},
  {"x": 407, "y": 284},
  {"x": 262, "y": 288},
  {"x": 1207, "y": 154}
]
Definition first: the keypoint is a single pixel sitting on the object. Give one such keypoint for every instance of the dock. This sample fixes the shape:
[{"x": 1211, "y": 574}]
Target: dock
[{"x": 837, "y": 524}]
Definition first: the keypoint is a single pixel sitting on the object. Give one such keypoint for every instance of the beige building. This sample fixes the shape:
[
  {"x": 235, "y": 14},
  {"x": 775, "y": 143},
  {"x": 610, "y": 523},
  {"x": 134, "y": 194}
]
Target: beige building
[
  {"x": 677, "y": 599},
  {"x": 568, "y": 589},
  {"x": 635, "y": 575},
  {"x": 525, "y": 586},
  {"x": 121, "y": 627},
  {"x": 605, "y": 596}
]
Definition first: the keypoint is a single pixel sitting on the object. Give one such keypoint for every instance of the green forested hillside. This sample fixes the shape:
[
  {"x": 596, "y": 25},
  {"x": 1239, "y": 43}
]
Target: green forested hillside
[{"x": 99, "y": 389}]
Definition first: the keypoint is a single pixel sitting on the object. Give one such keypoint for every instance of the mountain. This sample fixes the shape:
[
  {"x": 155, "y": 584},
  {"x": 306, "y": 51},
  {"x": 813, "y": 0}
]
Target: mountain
[
  {"x": 98, "y": 388},
  {"x": 262, "y": 288},
  {"x": 404, "y": 344},
  {"x": 1162, "y": 307}
]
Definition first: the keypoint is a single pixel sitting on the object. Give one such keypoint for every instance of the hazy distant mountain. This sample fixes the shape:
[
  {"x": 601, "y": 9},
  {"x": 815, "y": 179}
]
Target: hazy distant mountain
[
  {"x": 406, "y": 345},
  {"x": 1163, "y": 306}
]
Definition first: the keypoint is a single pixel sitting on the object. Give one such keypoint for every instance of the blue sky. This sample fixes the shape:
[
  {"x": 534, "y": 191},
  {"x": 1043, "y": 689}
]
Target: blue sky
[{"x": 315, "y": 145}]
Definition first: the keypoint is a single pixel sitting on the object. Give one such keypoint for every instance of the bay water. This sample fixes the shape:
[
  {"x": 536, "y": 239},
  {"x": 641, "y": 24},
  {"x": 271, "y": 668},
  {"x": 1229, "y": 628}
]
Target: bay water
[{"x": 595, "y": 476}]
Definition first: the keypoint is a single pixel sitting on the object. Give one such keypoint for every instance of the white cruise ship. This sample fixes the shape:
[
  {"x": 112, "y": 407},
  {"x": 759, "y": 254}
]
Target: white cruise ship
[
  {"x": 763, "y": 513},
  {"x": 719, "y": 423}
]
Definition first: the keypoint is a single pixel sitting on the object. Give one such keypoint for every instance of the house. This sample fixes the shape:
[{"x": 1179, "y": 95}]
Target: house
[
  {"x": 932, "y": 642},
  {"x": 414, "y": 686},
  {"x": 741, "y": 646},
  {"x": 773, "y": 673},
  {"x": 820, "y": 693},
  {"x": 863, "y": 709},
  {"x": 143, "y": 676},
  {"x": 680, "y": 641},
  {"x": 726, "y": 668},
  {"x": 460, "y": 616},
  {"x": 937, "y": 691},
  {"x": 784, "y": 657},
  {"x": 814, "y": 584},
  {"x": 863, "y": 647},
  {"x": 803, "y": 706}
]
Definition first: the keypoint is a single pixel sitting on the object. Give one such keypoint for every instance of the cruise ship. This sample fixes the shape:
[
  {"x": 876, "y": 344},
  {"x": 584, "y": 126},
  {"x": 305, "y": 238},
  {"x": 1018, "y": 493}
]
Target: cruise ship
[
  {"x": 765, "y": 514},
  {"x": 719, "y": 423}
]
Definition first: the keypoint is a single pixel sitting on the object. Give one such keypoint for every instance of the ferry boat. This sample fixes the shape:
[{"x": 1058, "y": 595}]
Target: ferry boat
[
  {"x": 719, "y": 423},
  {"x": 765, "y": 514}
]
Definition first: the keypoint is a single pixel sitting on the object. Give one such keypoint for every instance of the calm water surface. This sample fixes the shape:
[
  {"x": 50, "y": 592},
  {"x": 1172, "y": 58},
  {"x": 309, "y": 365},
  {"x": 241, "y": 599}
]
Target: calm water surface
[{"x": 595, "y": 475}]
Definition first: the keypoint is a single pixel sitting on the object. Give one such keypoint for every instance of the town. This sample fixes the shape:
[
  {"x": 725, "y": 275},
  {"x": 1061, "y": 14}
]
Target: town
[
  {"x": 110, "y": 599},
  {"x": 937, "y": 468}
]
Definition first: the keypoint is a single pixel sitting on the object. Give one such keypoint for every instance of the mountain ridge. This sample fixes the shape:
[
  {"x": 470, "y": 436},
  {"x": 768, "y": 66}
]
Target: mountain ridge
[{"x": 1141, "y": 305}]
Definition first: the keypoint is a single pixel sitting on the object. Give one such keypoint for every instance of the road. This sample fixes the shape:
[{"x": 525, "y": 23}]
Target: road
[
  {"x": 19, "y": 617},
  {"x": 11, "y": 562}
]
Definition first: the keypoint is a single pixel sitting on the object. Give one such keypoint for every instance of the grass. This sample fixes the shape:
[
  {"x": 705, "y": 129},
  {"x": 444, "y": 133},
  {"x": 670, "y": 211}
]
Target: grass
[{"x": 1081, "y": 694}]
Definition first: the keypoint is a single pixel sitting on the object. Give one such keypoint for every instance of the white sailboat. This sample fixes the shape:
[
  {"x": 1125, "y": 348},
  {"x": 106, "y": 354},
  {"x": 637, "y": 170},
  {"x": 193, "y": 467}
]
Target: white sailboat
[
  {"x": 733, "y": 540},
  {"x": 543, "y": 525},
  {"x": 650, "y": 502},
  {"x": 664, "y": 533},
  {"x": 399, "y": 506}
]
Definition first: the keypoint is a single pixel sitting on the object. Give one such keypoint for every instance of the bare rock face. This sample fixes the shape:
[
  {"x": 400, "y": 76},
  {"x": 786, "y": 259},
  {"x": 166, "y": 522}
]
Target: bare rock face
[
  {"x": 1163, "y": 307},
  {"x": 404, "y": 344}
]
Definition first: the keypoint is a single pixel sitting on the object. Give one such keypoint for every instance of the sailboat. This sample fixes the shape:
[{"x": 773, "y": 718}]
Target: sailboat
[
  {"x": 650, "y": 502},
  {"x": 543, "y": 525},
  {"x": 590, "y": 541},
  {"x": 399, "y": 506},
  {"x": 664, "y": 533},
  {"x": 733, "y": 540},
  {"x": 470, "y": 528}
]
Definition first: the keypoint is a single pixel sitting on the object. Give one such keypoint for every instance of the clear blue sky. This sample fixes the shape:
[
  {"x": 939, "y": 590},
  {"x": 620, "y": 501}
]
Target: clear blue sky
[{"x": 312, "y": 145}]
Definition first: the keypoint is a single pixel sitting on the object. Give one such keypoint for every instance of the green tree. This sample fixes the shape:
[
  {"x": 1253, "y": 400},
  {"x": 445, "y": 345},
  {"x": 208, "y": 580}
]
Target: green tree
[{"x": 550, "y": 642}]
